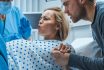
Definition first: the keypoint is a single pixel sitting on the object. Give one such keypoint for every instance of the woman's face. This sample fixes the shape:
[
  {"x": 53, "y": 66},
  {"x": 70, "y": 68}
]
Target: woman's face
[{"x": 47, "y": 24}]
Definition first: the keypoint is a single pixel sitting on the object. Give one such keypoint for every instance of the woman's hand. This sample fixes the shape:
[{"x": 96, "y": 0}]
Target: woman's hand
[{"x": 61, "y": 55}]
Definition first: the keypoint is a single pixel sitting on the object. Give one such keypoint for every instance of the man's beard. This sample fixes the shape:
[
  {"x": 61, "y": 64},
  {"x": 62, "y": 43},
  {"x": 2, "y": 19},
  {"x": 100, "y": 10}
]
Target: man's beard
[{"x": 81, "y": 15}]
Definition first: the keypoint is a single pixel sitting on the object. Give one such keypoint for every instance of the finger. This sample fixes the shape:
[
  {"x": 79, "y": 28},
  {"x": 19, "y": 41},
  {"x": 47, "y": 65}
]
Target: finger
[
  {"x": 55, "y": 49},
  {"x": 67, "y": 49},
  {"x": 55, "y": 54},
  {"x": 60, "y": 46},
  {"x": 63, "y": 49}
]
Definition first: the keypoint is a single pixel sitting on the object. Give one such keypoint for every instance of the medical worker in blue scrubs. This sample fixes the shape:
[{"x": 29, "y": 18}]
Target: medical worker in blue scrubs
[
  {"x": 3, "y": 55},
  {"x": 13, "y": 24}
]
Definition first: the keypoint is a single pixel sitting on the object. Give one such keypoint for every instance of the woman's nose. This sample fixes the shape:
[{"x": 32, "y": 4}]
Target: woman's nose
[{"x": 40, "y": 22}]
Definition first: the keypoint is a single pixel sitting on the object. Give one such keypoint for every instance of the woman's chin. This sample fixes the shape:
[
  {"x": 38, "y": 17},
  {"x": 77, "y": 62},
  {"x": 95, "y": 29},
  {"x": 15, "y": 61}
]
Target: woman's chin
[{"x": 42, "y": 34}]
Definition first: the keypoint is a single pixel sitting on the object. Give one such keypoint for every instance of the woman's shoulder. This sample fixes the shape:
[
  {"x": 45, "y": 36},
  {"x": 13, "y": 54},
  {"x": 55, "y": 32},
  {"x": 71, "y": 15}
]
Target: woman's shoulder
[
  {"x": 46, "y": 41},
  {"x": 18, "y": 42}
]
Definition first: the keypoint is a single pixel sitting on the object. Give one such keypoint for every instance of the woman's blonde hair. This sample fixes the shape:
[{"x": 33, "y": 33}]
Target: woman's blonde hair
[{"x": 61, "y": 22}]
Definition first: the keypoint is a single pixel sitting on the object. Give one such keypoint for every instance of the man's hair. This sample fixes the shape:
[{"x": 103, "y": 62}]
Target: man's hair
[{"x": 92, "y": 1}]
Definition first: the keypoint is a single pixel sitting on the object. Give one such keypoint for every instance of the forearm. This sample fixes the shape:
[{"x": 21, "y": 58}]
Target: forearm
[{"x": 86, "y": 63}]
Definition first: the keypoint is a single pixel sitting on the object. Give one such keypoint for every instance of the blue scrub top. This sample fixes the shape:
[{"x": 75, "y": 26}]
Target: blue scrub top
[
  {"x": 3, "y": 55},
  {"x": 16, "y": 26}
]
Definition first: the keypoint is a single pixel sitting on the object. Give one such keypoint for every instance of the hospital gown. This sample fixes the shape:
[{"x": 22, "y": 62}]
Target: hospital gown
[
  {"x": 28, "y": 55},
  {"x": 15, "y": 26}
]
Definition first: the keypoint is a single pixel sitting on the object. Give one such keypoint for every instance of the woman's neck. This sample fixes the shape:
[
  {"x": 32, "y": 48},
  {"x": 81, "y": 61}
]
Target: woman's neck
[{"x": 51, "y": 38}]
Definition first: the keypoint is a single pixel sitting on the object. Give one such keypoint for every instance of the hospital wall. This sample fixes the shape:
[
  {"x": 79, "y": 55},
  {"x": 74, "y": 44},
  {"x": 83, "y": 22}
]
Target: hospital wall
[
  {"x": 27, "y": 5},
  {"x": 35, "y": 5}
]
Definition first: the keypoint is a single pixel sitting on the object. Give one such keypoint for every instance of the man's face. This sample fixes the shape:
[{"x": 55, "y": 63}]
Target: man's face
[
  {"x": 74, "y": 9},
  {"x": 5, "y": 6}
]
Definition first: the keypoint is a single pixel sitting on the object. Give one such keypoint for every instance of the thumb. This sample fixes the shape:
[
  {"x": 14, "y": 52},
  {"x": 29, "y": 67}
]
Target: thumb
[{"x": 56, "y": 54}]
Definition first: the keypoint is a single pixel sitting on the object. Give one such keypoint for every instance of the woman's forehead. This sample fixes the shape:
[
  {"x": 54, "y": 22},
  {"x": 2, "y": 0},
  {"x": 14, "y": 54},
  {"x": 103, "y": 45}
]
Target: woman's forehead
[{"x": 48, "y": 13}]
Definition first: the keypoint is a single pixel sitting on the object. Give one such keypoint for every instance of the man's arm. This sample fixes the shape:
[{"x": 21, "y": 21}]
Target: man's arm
[
  {"x": 63, "y": 58},
  {"x": 86, "y": 63}
]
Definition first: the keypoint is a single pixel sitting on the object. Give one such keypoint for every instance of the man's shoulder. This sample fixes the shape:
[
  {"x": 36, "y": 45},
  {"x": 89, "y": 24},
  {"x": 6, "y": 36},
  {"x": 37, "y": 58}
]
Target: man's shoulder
[
  {"x": 99, "y": 11},
  {"x": 100, "y": 3},
  {"x": 15, "y": 9},
  {"x": 100, "y": 7}
]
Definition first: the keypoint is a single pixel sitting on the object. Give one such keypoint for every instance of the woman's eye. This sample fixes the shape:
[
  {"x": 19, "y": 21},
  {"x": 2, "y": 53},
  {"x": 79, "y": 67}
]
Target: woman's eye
[
  {"x": 40, "y": 18},
  {"x": 46, "y": 18}
]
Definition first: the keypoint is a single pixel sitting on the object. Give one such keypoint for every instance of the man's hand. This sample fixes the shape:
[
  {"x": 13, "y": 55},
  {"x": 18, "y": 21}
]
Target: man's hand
[
  {"x": 61, "y": 55},
  {"x": 64, "y": 48}
]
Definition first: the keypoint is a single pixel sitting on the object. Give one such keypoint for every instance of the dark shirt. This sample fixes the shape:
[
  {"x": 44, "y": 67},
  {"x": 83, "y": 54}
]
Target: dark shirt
[{"x": 88, "y": 63}]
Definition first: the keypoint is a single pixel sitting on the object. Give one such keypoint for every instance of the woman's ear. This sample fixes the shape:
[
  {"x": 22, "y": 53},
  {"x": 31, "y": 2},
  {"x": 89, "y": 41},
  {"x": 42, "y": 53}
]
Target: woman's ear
[{"x": 57, "y": 27}]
